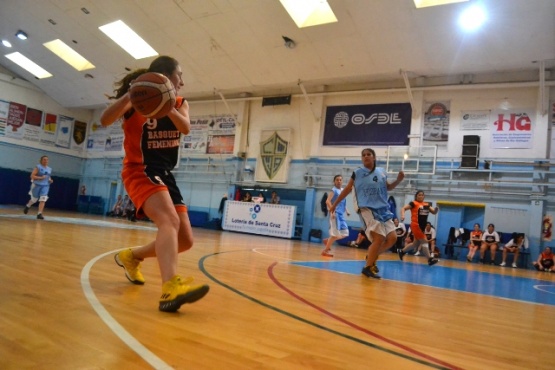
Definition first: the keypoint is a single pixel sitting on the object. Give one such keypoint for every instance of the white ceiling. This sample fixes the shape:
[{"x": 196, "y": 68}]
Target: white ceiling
[{"x": 236, "y": 46}]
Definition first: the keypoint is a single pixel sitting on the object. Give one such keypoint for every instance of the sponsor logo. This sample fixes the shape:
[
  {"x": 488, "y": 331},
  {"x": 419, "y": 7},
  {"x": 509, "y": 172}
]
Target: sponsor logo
[
  {"x": 341, "y": 119},
  {"x": 515, "y": 122}
]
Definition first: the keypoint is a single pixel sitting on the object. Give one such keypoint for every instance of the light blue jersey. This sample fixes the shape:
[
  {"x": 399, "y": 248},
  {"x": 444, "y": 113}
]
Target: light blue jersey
[
  {"x": 371, "y": 192},
  {"x": 340, "y": 209},
  {"x": 341, "y": 206},
  {"x": 42, "y": 171}
]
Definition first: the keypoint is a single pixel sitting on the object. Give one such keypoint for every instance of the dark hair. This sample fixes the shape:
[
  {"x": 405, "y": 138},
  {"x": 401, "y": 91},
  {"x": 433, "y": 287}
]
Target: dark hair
[
  {"x": 44, "y": 156},
  {"x": 418, "y": 192},
  {"x": 370, "y": 150},
  {"x": 477, "y": 224},
  {"x": 163, "y": 64},
  {"x": 373, "y": 154},
  {"x": 492, "y": 225},
  {"x": 336, "y": 176}
]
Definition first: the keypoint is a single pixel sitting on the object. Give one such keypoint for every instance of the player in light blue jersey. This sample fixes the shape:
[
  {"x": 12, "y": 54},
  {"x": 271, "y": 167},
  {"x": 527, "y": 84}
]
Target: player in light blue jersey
[
  {"x": 338, "y": 224},
  {"x": 41, "y": 180},
  {"x": 371, "y": 187}
]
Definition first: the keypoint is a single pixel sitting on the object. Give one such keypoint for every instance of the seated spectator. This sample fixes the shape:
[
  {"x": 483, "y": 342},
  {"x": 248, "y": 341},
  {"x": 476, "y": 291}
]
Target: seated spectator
[
  {"x": 262, "y": 198},
  {"x": 490, "y": 240},
  {"x": 545, "y": 261},
  {"x": 475, "y": 242},
  {"x": 83, "y": 190},
  {"x": 275, "y": 198},
  {"x": 409, "y": 238},
  {"x": 401, "y": 231},
  {"x": 130, "y": 211},
  {"x": 430, "y": 233},
  {"x": 117, "y": 208},
  {"x": 247, "y": 197},
  {"x": 125, "y": 206},
  {"x": 361, "y": 242},
  {"x": 409, "y": 241},
  {"x": 513, "y": 246}
]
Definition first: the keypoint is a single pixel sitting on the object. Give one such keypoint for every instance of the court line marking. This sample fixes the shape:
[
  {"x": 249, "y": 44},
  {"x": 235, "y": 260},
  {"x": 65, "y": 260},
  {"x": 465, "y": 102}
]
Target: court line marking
[
  {"x": 353, "y": 325},
  {"x": 116, "y": 328},
  {"x": 258, "y": 250},
  {"x": 537, "y": 287},
  {"x": 305, "y": 321},
  {"x": 300, "y": 263},
  {"x": 84, "y": 221}
]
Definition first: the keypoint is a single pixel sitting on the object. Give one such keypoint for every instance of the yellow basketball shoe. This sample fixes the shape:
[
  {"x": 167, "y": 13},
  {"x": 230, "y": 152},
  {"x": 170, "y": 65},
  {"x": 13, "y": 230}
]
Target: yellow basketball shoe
[
  {"x": 177, "y": 292},
  {"x": 131, "y": 265}
]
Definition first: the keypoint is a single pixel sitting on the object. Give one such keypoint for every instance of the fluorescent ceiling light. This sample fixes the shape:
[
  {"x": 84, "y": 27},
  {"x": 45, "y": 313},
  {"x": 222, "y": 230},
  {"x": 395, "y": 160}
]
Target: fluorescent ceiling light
[
  {"x": 21, "y": 35},
  {"x": 308, "y": 13},
  {"x": 426, "y": 3},
  {"x": 69, "y": 55},
  {"x": 6, "y": 43},
  {"x": 128, "y": 40},
  {"x": 28, "y": 65}
]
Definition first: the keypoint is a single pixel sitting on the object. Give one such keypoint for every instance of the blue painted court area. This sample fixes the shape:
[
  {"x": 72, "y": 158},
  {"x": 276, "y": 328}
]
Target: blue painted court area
[{"x": 503, "y": 286}]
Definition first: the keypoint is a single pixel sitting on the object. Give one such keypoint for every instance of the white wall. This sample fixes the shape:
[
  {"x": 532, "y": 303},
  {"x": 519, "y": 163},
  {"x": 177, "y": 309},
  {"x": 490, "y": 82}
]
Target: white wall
[{"x": 307, "y": 131}]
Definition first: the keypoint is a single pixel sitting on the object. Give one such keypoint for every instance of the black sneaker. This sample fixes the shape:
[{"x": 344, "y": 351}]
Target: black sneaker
[
  {"x": 482, "y": 261},
  {"x": 492, "y": 262},
  {"x": 367, "y": 271},
  {"x": 26, "y": 210},
  {"x": 401, "y": 254},
  {"x": 40, "y": 216},
  {"x": 432, "y": 261},
  {"x": 375, "y": 268}
]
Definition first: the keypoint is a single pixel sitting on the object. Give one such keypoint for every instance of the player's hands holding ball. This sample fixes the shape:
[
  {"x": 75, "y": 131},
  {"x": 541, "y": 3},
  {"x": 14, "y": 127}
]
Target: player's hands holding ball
[{"x": 153, "y": 95}]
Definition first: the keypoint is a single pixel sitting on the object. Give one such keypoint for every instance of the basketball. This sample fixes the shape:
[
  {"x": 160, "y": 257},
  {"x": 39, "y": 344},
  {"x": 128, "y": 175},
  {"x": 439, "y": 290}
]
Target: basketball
[{"x": 152, "y": 95}]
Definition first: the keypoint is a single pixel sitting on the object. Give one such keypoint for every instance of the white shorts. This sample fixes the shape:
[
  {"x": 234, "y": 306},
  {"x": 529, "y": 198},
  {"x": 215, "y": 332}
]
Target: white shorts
[
  {"x": 334, "y": 231},
  {"x": 371, "y": 224}
]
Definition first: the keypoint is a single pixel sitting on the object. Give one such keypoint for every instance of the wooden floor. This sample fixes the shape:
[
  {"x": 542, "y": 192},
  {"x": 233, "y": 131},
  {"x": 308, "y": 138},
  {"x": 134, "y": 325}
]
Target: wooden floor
[{"x": 65, "y": 304}]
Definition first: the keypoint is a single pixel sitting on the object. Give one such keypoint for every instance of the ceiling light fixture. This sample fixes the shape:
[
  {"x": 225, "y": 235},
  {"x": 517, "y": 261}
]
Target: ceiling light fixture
[
  {"x": 472, "y": 18},
  {"x": 28, "y": 65},
  {"x": 425, "y": 3},
  {"x": 128, "y": 40},
  {"x": 309, "y": 12},
  {"x": 21, "y": 35},
  {"x": 6, "y": 43},
  {"x": 68, "y": 55}
]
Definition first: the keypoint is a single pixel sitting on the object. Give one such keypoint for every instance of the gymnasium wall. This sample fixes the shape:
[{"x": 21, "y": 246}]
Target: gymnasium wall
[{"x": 306, "y": 123}]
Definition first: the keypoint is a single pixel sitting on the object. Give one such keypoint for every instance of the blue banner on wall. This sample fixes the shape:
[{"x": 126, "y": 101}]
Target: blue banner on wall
[{"x": 375, "y": 124}]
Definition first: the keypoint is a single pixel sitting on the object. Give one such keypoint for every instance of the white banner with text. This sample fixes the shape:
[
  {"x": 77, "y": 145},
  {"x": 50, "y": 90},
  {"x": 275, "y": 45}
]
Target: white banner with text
[{"x": 260, "y": 218}]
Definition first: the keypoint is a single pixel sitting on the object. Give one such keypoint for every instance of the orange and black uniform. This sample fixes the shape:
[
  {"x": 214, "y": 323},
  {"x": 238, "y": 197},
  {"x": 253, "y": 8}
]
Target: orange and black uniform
[
  {"x": 151, "y": 152},
  {"x": 547, "y": 260},
  {"x": 476, "y": 235},
  {"x": 419, "y": 212}
]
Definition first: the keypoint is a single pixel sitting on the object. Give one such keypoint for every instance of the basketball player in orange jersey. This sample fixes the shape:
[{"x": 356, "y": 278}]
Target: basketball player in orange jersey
[
  {"x": 419, "y": 211},
  {"x": 151, "y": 152}
]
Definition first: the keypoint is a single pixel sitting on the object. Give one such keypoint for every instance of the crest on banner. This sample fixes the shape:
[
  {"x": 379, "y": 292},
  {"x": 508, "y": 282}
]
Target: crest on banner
[{"x": 274, "y": 146}]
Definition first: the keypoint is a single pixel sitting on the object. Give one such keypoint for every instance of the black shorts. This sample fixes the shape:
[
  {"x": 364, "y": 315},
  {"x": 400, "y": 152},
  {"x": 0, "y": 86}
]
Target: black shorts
[{"x": 548, "y": 263}]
